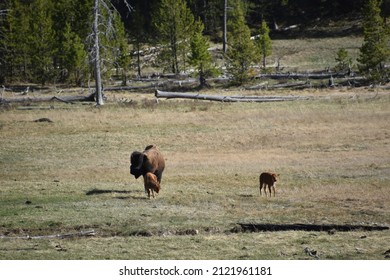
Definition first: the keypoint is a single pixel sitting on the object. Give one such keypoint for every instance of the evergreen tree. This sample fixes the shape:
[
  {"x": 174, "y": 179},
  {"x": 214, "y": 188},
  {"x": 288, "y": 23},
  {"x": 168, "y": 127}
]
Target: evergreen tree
[
  {"x": 74, "y": 56},
  {"x": 241, "y": 53},
  {"x": 200, "y": 56},
  {"x": 3, "y": 14},
  {"x": 175, "y": 26},
  {"x": 29, "y": 41},
  {"x": 41, "y": 40},
  {"x": 121, "y": 50},
  {"x": 343, "y": 60},
  {"x": 17, "y": 49},
  {"x": 71, "y": 24},
  {"x": 212, "y": 17},
  {"x": 138, "y": 37},
  {"x": 374, "y": 52},
  {"x": 264, "y": 43}
]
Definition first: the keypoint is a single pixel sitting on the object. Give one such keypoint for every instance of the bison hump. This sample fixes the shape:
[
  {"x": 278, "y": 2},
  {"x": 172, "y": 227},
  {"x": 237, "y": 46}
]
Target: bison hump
[{"x": 149, "y": 147}]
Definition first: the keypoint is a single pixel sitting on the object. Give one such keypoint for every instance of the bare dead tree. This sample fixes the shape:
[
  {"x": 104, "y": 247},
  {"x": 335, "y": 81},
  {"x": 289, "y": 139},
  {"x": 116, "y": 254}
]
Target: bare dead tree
[
  {"x": 96, "y": 49},
  {"x": 225, "y": 7},
  {"x": 100, "y": 22}
]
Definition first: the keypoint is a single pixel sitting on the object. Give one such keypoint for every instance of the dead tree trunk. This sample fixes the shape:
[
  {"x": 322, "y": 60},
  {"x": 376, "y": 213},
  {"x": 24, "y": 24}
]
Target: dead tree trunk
[
  {"x": 225, "y": 27},
  {"x": 98, "y": 78}
]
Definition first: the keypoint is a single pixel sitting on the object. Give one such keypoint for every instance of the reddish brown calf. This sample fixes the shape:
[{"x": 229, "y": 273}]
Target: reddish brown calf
[
  {"x": 151, "y": 184},
  {"x": 267, "y": 179}
]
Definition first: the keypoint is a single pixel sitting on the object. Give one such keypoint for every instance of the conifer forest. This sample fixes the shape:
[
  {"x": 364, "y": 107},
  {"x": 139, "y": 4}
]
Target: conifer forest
[{"x": 53, "y": 42}]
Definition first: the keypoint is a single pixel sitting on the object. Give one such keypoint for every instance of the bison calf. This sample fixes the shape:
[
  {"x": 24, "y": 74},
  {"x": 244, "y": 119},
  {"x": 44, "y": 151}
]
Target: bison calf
[
  {"x": 151, "y": 184},
  {"x": 267, "y": 179}
]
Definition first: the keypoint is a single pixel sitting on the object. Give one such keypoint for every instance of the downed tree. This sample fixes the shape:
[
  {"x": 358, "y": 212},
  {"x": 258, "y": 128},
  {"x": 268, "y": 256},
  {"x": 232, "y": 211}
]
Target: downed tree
[
  {"x": 169, "y": 95},
  {"x": 296, "y": 85},
  {"x": 65, "y": 99},
  {"x": 154, "y": 84},
  {"x": 326, "y": 75}
]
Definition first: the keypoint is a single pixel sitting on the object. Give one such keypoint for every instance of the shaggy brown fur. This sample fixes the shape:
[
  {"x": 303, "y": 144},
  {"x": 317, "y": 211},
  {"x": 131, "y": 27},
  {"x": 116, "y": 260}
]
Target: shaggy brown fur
[
  {"x": 150, "y": 160},
  {"x": 151, "y": 184},
  {"x": 267, "y": 179}
]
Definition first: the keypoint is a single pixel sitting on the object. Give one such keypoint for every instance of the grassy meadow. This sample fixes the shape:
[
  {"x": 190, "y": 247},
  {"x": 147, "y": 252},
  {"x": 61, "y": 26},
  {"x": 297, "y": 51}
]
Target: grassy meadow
[
  {"x": 313, "y": 54},
  {"x": 72, "y": 175}
]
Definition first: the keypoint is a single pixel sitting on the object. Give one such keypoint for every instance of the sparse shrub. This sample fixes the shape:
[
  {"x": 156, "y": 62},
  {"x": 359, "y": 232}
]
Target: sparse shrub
[{"x": 344, "y": 61}]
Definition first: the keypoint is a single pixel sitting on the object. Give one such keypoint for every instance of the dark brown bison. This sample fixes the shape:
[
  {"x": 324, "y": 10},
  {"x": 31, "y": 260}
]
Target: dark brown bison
[
  {"x": 150, "y": 160},
  {"x": 151, "y": 184},
  {"x": 267, "y": 179}
]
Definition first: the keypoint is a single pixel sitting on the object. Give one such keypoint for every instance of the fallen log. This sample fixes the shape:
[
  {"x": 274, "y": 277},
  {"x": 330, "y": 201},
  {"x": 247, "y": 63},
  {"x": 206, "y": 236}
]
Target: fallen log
[
  {"x": 308, "y": 227},
  {"x": 326, "y": 75},
  {"x": 197, "y": 96},
  {"x": 65, "y": 99},
  {"x": 300, "y": 84},
  {"x": 129, "y": 88}
]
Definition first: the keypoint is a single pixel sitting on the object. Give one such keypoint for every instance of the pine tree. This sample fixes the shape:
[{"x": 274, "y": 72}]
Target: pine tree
[
  {"x": 241, "y": 53},
  {"x": 174, "y": 24},
  {"x": 264, "y": 43},
  {"x": 200, "y": 56},
  {"x": 44, "y": 38},
  {"x": 212, "y": 18},
  {"x": 29, "y": 40},
  {"x": 71, "y": 24},
  {"x": 17, "y": 49},
  {"x": 374, "y": 52},
  {"x": 121, "y": 52},
  {"x": 41, "y": 40},
  {"x": 138, "y": 37},
  {"x": 74, "y": 56}
]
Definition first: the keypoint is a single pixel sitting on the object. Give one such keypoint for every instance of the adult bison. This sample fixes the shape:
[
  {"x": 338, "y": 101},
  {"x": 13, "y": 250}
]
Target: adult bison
[{"x": 150, "y": 160}]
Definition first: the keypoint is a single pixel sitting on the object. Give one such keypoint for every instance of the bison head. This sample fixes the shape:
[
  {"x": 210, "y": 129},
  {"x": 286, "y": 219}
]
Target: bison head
[{"x": 136, "y": 160}]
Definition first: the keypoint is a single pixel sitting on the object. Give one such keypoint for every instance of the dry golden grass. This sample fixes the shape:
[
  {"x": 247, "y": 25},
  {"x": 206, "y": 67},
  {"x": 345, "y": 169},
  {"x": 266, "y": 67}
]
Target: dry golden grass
[{"x": 332, "y": 154}]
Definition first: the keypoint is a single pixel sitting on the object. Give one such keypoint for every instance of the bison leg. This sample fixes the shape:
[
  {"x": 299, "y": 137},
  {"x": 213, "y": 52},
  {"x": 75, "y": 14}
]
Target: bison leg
[
  {"x": 270, "y": 191},
  {"x": 159, "y": 176},
  {"x": 148, "y": 193}
]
